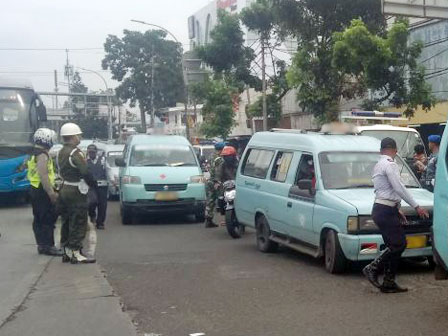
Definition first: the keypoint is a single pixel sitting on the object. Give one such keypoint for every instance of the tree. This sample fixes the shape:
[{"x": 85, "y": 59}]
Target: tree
[
  {"x": 226, "y": 54},
  {"x": 218, "y": 110},
  {"x": 313, "y": 22},
  {"x": 386, "y": 66},
  {"x": 139, "y": 60}
]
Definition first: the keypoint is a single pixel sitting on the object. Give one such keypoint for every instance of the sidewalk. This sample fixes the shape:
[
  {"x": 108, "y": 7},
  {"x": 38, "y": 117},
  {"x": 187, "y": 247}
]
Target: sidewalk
[
  {"x": 41, "y": 296},
  {"x": 70, "y": 300}
]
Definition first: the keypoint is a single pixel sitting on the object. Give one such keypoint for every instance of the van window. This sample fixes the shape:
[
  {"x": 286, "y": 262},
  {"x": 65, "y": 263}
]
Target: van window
[
  {"x": 306, "y": 169},
  {"x": 257, "y": 162},
  {"x": 281, "y": 166},
  {"x": 161, "y": 155}
]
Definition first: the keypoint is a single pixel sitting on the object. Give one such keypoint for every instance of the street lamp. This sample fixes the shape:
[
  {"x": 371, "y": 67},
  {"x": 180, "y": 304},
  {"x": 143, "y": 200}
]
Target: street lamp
[
  {"x": 109, "y": 105},
  {"x": 184, "y": 72}
]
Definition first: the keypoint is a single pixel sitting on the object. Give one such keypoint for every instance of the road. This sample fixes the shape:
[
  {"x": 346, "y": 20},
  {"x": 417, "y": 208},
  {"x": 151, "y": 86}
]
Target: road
[{"x": 177, "y": 278}]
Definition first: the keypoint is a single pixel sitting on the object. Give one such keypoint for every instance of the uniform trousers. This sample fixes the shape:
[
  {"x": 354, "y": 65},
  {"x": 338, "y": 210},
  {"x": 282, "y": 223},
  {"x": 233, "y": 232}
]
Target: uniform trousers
[{"x": 45, "y": 217}]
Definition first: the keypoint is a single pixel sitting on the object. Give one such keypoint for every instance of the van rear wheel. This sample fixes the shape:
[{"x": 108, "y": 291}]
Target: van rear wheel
[
  {"x": 263, "y": 232},
  {"x": 335, "y": 261}
]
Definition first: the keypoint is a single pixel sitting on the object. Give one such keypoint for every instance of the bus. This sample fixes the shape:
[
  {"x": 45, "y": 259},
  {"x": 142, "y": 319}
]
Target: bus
[{"x": 21, "y": 113}]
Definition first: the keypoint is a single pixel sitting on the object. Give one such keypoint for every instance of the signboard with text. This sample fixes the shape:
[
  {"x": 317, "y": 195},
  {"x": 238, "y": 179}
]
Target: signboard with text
[
  {"x": 431, "y": 9},
  {"x": 231, "y": 5}
]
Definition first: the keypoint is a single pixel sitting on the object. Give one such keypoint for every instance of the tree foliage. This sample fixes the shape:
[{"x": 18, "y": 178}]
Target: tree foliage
[
  {"x": 218, "y": 110},
  {"x": 226, "y": 54},
  {"x": 134, "y": 58},
  {"x": 313, "y": 23},
  {"x": 387, "y": 66}
]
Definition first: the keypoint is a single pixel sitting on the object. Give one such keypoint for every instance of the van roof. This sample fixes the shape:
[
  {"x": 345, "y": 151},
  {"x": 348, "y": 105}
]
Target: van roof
[
  {"x": 145, "y": 139},
  {"x": 315, "y": 142},
  {"x": 385, "y": 128}
]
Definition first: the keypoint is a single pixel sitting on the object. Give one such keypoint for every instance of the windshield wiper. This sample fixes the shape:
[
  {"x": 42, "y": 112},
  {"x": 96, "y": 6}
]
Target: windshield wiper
[
  {"x": 361, "y": 186},
  {"x": 181, "y": 164},
  {"x": 154, "y": 165}
]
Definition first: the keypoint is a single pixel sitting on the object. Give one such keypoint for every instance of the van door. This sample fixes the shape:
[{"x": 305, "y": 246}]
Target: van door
[{"x": 301, "y": 202}]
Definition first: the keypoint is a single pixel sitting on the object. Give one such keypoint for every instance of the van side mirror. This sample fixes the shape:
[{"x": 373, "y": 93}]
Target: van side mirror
[{"x": 119, "y": 162}]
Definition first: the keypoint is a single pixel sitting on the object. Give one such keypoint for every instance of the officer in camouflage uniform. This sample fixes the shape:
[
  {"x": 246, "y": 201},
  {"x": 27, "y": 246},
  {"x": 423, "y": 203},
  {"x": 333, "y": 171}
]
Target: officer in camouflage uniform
[
  {"x": 429, "y": 175},
  {"x": 73, "y": 207},
  {"x": 213, "y": 185}
]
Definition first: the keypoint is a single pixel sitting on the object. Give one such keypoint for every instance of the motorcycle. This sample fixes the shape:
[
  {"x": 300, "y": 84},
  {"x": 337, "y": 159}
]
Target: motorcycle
[{"x": 227, "y": 209}]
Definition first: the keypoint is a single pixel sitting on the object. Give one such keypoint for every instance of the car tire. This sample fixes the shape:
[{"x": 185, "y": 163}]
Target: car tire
[
  {"x": 335, "y": 261},
  {"x": 126, "y": 215},
  {"x": 235, "y": 229},
  {"x": 263, "y": 233}
]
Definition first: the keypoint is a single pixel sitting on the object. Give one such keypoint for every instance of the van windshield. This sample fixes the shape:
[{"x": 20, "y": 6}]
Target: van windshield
[
  {"x": 406, "y": 141},
  {"x": 350, "y": 170},
  {"x": 162, "y": 155}
]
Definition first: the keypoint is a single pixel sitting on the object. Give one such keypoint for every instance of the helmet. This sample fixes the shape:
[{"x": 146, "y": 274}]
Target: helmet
[
  {"x": 45, "y": 137},
  {"x": 228, "y": 151},
  {"x": 220, "y": 145},
  {"x": 70, "y": 129}
]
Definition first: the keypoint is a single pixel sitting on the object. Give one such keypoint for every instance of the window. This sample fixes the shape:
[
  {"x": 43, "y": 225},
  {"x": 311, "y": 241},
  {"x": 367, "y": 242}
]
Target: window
[
  {"x": 281, "y": 166},
  {"x": 306, "y": 169},
  {"x": 257, "y": 163},
  {"x": 162, "y": 155}
]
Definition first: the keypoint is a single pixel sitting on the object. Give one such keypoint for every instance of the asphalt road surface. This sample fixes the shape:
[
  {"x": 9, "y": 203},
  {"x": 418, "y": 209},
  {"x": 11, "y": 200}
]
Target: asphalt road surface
[{"x": 177, "y": 278}]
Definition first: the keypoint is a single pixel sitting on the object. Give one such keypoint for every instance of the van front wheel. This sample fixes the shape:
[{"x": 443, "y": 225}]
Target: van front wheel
[
  {"x": 264, "y": 243},
  {"x": 335, "y": 261}
]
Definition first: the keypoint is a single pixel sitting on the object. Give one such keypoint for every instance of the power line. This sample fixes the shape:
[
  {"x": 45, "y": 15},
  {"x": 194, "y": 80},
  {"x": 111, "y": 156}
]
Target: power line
[{"x": 48, "y": 49}]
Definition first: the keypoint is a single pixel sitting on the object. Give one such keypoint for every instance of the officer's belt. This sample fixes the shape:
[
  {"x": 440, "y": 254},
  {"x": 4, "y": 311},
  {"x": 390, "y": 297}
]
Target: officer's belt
[
  {"x": 73, "y": 184},
  {"x": 102, "y": 183},
  {"x": 392, "y": 204}
]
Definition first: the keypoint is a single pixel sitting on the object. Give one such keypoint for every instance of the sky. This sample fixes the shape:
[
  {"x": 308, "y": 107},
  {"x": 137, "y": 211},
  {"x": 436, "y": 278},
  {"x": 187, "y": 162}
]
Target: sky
[{"x": 62, "y": 24}]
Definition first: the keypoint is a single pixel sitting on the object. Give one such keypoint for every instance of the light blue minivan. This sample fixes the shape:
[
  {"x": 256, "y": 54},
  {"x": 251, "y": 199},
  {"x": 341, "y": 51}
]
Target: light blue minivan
[
  {"x": 314, "y": 193},
  {"x": 160, "y": 173}
]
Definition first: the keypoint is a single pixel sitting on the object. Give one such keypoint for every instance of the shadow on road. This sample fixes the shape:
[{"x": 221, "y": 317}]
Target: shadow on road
[{"x": 163, "y": 219}]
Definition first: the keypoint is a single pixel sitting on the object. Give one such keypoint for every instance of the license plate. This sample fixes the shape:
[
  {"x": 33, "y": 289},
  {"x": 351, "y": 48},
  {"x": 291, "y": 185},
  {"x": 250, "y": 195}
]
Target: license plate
[
  {"x": 416, "y": 241},
  {"x": 166, "y": 196}
]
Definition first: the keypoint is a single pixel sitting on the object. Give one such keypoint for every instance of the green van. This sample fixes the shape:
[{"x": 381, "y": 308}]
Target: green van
[
  {"x": 314, "y": 193},
  {"x": 160, "y": 173}
]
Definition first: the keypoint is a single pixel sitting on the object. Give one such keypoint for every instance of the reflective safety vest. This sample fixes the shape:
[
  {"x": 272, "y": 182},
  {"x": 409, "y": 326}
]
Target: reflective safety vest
[{"x": 33, "y": 175}]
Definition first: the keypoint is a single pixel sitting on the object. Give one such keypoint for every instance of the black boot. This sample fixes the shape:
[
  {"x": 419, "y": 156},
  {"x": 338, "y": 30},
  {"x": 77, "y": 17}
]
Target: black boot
[
  {"x": 371, "y": 270},
  {"x": 53, "y": 251},
  {"x": 210, "y": 224},
  {"x": 389, "y": 285}
]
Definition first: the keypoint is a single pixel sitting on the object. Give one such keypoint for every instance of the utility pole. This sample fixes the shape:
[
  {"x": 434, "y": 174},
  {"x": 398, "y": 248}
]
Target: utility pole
[
  {"x": 153, "y": 112},
  {"x": 56, "y": 89},
  {"x": 263, "y": 78}
]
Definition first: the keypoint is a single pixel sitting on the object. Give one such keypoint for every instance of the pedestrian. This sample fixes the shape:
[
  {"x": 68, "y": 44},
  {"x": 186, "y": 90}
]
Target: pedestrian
[
  {"x": 386, "y": 213},
  {"x": 41, "y": 174},
  {"x": 73, "y": 207},
  {"x": 97, "y": 196},
  {"x": 429, "y": 175},
  {"x": 420, "y": 160},
  {"x": 213, "y": 185}
]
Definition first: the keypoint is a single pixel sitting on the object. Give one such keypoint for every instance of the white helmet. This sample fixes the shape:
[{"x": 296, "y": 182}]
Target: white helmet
[
  {"x": 45, "y": 137},
  {"x": 70, "y": 129}
]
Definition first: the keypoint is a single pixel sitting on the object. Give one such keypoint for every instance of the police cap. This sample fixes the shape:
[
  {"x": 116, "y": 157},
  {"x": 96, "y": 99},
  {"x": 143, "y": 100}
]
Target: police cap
[
  {"x": 434, "y": 138},
  {"x": 388, "y": 143},
  {"x": 92, "y": 148}
]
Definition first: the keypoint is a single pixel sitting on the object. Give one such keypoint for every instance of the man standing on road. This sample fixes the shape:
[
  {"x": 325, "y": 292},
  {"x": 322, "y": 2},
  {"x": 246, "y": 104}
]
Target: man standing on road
[
  {"x": 386, "y": 213},
  {"x": 41, "y": 175},
  {"x": 72, "y": 167},
  {"x": 97, "y": 196},
  {"x": 429, "y": 175},
  {"x": 213, "y": 185}
]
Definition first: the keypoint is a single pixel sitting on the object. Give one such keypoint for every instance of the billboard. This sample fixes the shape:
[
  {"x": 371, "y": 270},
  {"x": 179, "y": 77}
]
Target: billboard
[{"x": 431, "y": 9}]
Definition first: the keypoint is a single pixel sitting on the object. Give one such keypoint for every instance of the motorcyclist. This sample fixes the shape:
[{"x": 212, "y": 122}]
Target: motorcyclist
[
  {"x": 213, "y": 185},
  {"x": 41, "y": 175},
  {"x": 229, "y": 166}
]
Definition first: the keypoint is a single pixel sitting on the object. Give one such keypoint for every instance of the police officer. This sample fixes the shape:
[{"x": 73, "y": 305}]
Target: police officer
[
  {"x": 213, "y": 185},
  {"x": 73, "y": 170},
  {"x": 97, "y": 196},
  {"x": 41, "y": 175},
  {"x": 386, "y": 213},
  {"x": 429, "y": 174}
]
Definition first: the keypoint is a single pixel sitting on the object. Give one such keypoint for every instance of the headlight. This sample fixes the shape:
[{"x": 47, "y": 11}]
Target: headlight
[
  {"x": 131, "y": 180},
  {"x": 361, "y": 224},
  {"x": 197, "y": 179},
  {"x": 230, "y": 195}
]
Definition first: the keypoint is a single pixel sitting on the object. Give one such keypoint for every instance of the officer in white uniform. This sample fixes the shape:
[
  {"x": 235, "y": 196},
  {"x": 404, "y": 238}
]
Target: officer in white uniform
[{"x": 386, "y": 213}]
